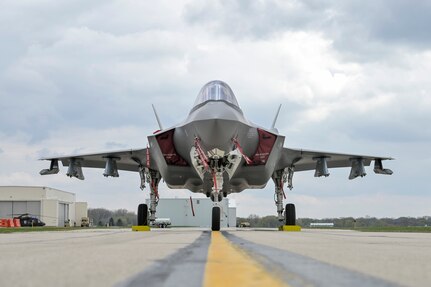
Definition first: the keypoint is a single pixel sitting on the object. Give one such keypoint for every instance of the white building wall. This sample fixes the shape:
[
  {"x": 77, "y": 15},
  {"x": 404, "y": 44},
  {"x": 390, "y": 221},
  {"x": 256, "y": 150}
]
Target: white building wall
[
  {"x": 62, "y": 197},
  {"x": 72, "y": 215},
  {"x": 21, "y": 193},
  {"x": 81, "y": 210},
  {"x": 232, "y": 216},
  {"x": 49, "y": 212},
  {"x": 49, "y": 199}
]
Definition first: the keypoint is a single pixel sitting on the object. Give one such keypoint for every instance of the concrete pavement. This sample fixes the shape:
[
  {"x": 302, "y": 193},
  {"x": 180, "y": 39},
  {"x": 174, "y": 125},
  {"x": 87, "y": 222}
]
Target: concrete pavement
[
  {"x": 84, "y": 258},
  {"x": 177, "y": 257},
  {"x": 402, "y": 258}
]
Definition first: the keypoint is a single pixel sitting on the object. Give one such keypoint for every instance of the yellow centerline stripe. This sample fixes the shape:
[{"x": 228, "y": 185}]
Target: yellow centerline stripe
[{"x": 228, "y": 265}]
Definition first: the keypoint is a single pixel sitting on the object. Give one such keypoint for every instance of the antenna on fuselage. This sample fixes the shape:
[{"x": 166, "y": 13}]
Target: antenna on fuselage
[
  {"x": 276, "y": 116},
  {"x": 157, "y": 117}
]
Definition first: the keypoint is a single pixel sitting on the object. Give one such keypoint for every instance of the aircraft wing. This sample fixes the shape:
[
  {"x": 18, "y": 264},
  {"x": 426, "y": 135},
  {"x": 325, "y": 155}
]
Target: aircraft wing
[
  {"x": 302, "y": 160},
  {"x": 128, "y": 160}
]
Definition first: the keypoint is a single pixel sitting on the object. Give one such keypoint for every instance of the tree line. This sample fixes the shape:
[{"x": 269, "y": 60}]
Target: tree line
[
  {"x": 343, "y": 222},
  {"x": 119, "y": 217},
  {"x": 123, "y": 217}
]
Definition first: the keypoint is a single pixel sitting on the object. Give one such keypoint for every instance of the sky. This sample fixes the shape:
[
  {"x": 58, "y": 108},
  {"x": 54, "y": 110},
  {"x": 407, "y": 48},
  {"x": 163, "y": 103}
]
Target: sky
[{"x": 352, "y": 76}]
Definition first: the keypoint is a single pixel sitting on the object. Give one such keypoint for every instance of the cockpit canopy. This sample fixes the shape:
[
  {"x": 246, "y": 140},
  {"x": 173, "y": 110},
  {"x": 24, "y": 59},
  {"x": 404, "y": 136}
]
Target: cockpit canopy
[{"x": 216, "y": 91}]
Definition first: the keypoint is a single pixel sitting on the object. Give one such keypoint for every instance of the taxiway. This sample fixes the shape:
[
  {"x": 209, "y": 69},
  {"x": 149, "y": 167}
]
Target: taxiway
[{"x": 191, "y": 257}]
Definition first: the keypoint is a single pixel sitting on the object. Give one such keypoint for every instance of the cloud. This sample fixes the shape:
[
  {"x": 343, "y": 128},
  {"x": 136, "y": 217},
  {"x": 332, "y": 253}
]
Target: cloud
[
  {"x": 259, "y": 19},
  {"x": 397, "y": 23},
  {"x": 361, "y": 31},
  {"x": 352, "y": 77}
]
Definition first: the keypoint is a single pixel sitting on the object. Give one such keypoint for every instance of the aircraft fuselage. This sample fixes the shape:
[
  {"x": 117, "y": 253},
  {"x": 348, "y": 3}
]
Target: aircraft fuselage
[{"x": 216, "y": 124}]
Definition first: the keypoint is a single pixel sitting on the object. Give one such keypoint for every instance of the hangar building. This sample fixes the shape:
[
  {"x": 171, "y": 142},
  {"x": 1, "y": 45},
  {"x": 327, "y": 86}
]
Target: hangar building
[
  {"x": 180, "y": 211},
  {"x": 50, "y": 205}
]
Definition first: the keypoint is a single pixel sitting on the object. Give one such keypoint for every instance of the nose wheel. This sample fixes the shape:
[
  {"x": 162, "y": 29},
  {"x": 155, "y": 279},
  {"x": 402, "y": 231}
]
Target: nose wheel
[{"x": 215, "y": 222}]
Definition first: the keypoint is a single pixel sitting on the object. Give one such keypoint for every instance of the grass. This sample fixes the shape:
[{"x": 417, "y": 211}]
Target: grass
[
  {"x": 421, "y": 229},
  {"x": 44, "y": 228},
  {"x": 32, "y": 229}
]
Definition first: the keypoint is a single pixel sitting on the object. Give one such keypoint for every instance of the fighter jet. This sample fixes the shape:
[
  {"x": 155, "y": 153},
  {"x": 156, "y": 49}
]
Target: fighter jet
[{"x": 216, "y": 151}]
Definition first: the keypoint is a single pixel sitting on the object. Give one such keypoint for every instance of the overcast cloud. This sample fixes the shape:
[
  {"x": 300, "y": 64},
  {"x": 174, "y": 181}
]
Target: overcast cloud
[{"x": 352, "y": 76}]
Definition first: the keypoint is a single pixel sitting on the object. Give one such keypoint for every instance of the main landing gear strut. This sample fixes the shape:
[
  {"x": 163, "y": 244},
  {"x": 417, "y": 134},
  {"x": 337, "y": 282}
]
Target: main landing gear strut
[
  {"x": 280, "y": 177},
  {"x": 152, "y": 177}
]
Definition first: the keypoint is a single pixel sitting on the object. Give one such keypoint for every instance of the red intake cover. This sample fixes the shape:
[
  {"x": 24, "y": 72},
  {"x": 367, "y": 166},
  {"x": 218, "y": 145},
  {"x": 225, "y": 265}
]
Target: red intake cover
[
  {"x": 166, "y": 144},
  {"x": 266, "y": 142}
]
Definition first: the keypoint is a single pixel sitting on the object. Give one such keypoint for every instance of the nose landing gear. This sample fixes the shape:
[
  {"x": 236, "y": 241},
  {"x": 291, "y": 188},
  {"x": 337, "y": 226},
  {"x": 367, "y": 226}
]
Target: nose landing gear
[{"x": 216, "y": 196}]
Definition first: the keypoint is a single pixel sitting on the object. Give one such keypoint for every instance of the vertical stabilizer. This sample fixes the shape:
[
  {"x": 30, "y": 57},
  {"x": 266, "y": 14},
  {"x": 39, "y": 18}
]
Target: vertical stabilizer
[
  {"x": 157, "y": 118},
  {"x": 276, "y": 116}
]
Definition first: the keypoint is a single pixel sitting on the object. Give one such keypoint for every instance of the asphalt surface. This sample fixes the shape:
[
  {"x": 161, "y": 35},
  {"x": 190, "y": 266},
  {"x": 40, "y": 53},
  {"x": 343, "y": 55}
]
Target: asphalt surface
[
  {"x": 84, "y": 258},
  {"x": 402, "y": 258},
  {"x": 180, "y": 257}
]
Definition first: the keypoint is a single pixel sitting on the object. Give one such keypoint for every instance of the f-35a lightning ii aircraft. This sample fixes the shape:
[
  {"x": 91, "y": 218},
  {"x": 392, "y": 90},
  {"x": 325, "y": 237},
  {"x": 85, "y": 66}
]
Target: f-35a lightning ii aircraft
[{"x": 216, "y": 151}]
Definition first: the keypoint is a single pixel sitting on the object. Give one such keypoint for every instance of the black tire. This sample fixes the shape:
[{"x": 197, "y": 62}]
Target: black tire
[
  {"x": 142, "y": 214},
  {"x": 290, "y": 214},
  {"x": 215, "y": 219}
]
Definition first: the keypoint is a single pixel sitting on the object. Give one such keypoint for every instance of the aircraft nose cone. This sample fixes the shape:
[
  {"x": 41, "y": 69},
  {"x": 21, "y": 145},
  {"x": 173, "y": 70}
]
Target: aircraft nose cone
[{"x": 217, "y": 134}]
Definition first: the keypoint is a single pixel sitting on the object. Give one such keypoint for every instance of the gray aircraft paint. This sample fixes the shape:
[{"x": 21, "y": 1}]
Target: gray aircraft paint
[{"x": 216, "y": 119}]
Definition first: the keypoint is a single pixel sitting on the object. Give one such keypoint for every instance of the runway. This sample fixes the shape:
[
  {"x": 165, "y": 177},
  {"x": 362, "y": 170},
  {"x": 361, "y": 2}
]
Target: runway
[{"x": 198, "y": 257}]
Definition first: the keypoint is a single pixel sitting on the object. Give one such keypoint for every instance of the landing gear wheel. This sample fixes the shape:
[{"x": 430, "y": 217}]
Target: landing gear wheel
[
  {"x": 290, "y": 214},
  {"x": 215, "y": 219},
  {"x": 142, "y": 214}
]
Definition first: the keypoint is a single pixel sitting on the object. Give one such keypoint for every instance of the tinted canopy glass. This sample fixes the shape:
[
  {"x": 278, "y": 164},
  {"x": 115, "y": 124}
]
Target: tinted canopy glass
[{"x": 216, "y": 91}]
